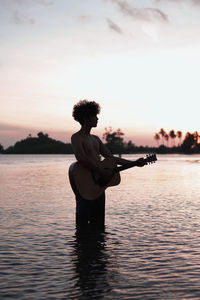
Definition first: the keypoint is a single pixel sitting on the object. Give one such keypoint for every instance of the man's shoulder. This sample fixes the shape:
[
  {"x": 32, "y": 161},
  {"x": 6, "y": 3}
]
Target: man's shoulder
[
  {"x": 75, "y": 136},
  {"x": 96, "y": 137}
]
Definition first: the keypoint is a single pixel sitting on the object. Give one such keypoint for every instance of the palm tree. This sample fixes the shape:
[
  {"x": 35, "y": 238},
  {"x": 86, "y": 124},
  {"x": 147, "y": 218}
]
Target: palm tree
[
  {"x": 188, "y": 143},
  {"x": 172, "y": 135},
  {"x": 114, "y": 139},
  {"x": 167, "y": 139},
  {"x": 107, "y": 133},
  {"x": 179, "y": 135},
  {"x": 196, "y": 137},
  {"x": 1, "y": 149},
  {"x": 157, "y": 138},
  {"x": 162, "y": 133}
]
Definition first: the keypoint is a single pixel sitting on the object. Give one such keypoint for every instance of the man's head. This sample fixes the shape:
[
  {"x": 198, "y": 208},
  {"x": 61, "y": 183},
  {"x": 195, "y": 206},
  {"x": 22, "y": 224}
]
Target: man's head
[{"x": 86, "y": 110}]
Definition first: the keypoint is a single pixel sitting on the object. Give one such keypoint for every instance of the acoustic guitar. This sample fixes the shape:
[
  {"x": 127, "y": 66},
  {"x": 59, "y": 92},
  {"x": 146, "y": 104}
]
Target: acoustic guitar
[{"x": 90, "y": 185}]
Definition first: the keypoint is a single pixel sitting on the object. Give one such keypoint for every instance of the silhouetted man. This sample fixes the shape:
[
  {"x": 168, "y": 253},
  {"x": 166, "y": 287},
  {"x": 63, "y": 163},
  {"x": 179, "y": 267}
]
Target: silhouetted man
[{"x": 87, "y": 149}]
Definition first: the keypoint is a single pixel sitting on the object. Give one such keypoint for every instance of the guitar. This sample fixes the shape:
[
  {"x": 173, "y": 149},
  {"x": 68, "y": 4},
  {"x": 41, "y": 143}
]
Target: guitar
[{"x": 89, "y": 185}]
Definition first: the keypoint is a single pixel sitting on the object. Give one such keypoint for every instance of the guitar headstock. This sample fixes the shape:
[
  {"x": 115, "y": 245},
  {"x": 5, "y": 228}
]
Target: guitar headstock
[{"x": 150, "y": 158}]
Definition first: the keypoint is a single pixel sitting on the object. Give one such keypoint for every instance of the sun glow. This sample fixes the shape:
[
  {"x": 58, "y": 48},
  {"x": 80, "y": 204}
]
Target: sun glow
[{"x": 144, "y": 73}]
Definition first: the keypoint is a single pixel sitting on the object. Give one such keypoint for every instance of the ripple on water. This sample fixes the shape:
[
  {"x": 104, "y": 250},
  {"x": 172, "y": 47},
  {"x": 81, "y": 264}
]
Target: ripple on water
[{"x": 149, "y": 250}]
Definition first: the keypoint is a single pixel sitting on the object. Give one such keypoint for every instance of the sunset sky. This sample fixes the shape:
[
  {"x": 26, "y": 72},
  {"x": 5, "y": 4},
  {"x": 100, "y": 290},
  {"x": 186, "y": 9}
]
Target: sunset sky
[{"x": 139, "y": 59}]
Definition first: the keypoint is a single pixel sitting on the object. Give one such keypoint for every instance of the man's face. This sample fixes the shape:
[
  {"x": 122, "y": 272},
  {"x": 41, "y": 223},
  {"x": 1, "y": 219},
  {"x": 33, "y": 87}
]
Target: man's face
[{"x": 93, "y": 120}]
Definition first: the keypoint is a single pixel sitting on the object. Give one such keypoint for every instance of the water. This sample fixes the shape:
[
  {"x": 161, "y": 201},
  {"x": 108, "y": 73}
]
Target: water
[{"x": 150, "y": 249}]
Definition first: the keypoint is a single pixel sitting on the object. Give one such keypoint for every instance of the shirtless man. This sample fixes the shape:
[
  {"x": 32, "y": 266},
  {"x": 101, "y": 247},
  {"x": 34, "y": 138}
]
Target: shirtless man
[{"x": 87, "y": 149}]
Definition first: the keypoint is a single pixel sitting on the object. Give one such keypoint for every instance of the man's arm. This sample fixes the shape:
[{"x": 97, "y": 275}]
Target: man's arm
[
  {"x": 105, "y": 152},
  {"x": 120, "y": 161}
]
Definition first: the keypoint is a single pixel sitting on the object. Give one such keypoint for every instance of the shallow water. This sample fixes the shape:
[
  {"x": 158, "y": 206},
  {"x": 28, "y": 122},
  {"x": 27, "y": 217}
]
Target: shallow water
[{"x": 149, "y": 250}]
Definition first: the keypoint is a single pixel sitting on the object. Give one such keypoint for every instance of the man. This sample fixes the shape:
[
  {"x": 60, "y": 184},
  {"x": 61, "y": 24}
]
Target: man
[{"x": 87, "y": 149}]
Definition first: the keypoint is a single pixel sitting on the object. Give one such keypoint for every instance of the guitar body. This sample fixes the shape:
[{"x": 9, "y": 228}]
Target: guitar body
[
  {"x": 89, "y": 185},
  {"x": 85, "y": 183}
]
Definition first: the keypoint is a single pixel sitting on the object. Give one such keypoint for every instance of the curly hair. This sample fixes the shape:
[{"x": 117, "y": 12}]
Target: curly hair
[{"x": 85, "y": 108}]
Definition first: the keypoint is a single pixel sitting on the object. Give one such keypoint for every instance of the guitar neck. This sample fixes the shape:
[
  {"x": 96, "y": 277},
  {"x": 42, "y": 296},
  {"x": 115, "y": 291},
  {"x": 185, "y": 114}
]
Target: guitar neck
[
  {"x": 151, "y": 158},
  {"x": 126, "y": 166}
]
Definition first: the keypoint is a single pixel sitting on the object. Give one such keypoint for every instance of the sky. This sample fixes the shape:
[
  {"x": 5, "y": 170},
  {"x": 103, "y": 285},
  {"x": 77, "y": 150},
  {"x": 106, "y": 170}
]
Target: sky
[{"x": 138, "y": 59}]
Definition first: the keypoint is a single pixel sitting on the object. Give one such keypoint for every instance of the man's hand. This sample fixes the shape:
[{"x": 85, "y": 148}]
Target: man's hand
[{"x": 140, "y": 162}]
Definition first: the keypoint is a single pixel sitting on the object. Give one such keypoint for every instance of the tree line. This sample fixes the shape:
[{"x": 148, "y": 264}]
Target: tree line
[
  {"x": 171, "y": 142},
  {"x": 164, "y": 136},
  {"x": 190, "y": 143},
  {"x": 42, "y": 144}
]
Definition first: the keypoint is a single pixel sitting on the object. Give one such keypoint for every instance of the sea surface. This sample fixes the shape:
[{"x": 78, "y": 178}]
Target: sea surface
[{"x": 150, "y": 248}]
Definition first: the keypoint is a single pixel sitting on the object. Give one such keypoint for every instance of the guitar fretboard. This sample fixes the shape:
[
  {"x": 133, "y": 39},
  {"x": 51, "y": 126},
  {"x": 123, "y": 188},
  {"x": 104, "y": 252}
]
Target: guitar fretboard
[{"x": 151, "y": 158}]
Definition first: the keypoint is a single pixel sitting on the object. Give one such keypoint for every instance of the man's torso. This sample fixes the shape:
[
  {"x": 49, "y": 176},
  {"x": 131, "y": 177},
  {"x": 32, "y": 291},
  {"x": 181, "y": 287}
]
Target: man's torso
[{"x": 90, "y": 144}]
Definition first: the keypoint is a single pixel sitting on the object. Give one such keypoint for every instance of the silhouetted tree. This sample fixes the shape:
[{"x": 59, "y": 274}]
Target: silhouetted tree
[
  {"x": 157, "y": 138},
  {"x": 111, "y": 136},
  {"x": 41, "y": 135},
  {"x": 1, "y": 149},
  {"x": 166, "y": 138},
  {"x": 42, "y": 144},
  {"x": 130, "y": 147},
  {"x": 114, "y": 139},
  {"x": 196, "y": 137},
  {"x": 188, "y": 143},
  {"x": 162, "y": 133},
  {"x": 179, "y": 135},
  {"x": 172, "y": 135},
  {"x": 162, "y": 149}
]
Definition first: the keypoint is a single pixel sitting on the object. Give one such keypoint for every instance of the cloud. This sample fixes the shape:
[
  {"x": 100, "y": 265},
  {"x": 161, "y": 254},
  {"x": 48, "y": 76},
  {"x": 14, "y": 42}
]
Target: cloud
[
  {"x": 21, "y": 19},
  {"x": 114, "y": 26},
  {"x": 84, "y": 18},
  {"x": 145, "y": 14},
  {"x": 15, "y": 7},
  {"x": 195, "y": 2},
  {"x": 25, "y": 2},
  {"x": 156, "y": 13},
  {"x": 45, "y": 3}
]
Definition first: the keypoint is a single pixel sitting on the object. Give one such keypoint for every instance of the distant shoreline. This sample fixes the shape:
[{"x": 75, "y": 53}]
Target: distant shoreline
[
  {"x": 43, "y": 144},
  {"x": 156, "y": 151}
]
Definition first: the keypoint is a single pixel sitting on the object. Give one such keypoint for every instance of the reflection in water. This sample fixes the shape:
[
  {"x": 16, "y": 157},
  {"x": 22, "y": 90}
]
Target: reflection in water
[
  {"x": 91, "y": 261},
  {"x": 150, "y": 249}
]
